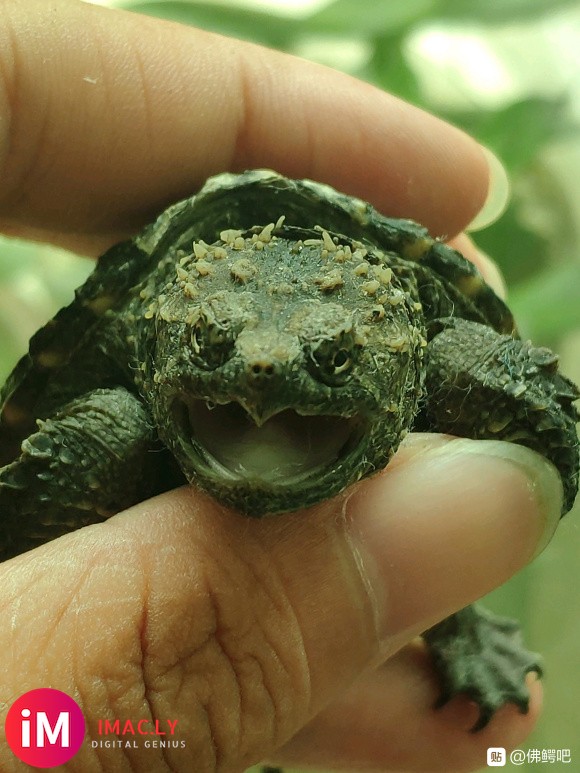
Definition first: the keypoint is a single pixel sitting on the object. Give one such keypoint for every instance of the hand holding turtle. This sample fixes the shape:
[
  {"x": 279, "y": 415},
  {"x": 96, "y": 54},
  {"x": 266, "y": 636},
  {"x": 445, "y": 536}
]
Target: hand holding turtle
[{"x": 252, "y": 633}]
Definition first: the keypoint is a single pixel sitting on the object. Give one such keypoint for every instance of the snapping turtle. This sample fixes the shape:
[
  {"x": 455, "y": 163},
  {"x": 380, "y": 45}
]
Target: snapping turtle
[{"x": 273, "y": 365}]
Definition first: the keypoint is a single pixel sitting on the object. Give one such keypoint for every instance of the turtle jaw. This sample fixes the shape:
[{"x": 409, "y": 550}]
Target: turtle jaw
[{"x": 279, "y": 462}]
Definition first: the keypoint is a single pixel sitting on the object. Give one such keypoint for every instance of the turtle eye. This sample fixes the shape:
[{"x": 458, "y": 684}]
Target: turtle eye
[
  {"x": 215, "y": 325},
  {"x": 212, "y": 341},
  {"x": 332, "y": 359},
  {"x": 342, "y": 361}
]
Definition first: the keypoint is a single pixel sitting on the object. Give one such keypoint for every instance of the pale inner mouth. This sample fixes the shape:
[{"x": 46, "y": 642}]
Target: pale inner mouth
[{"x": 285, "y": 449}]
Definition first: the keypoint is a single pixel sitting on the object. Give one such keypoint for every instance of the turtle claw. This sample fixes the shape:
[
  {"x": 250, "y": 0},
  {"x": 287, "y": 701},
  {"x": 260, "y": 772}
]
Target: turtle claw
[{"x": 481, "y": 655}]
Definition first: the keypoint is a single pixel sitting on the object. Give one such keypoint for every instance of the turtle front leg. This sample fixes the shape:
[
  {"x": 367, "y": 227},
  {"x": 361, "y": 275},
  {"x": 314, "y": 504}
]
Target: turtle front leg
[
  {"x": 91, "y": 459},
  {"x": 484, "y": 385}
]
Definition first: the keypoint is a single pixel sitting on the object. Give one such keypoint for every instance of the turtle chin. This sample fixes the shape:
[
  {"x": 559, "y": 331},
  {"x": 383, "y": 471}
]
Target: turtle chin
[{"x": 274, "y": 463}]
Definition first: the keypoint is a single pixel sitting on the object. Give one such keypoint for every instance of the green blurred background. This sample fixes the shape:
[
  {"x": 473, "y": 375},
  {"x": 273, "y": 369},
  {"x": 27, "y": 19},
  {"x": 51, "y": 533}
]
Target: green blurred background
[{"x": 508, "y": 72}]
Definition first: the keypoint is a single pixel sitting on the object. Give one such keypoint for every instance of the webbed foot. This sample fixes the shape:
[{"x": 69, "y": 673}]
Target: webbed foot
[{"x": 481, "y": 655}]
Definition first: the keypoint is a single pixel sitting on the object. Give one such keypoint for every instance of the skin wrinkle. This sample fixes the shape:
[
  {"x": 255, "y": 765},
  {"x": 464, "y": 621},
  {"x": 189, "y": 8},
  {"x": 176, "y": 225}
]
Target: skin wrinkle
[
  {"x": 7, "y": 90},
  {"x": 15, "y": 596},
  {"x": 120, "y": 701},
  {"x": 12, "y": 610},
  {"x": 43, "y": 156},
  {"x": 142, "y": 635},
  {"x": 147, "y": 121},
  {"x": 137, "y": 678},
  {"x": 16, "y": 136},
  {"x": 78, "y": 678},
  {"x": 298, "y": 652},
  {"x": 154, "y": 680},
  {"x": 263, "y": 105},
  {"x": 122, "y": 71},
  {"x": 273, "y": 719},
  {"x": 72, "y": 595},
  {"x": 265, "y": 695},
  {"x": 273, "y": 586},
  {"x": 54, "y": 634},
  {"x": 133, "y": 767},
  {"x": 330, "y": 543},
  {"x": 226, "y": 581},
  {"x": 245, "y": 121},
  {"x": 214, "y": 643},
  {"x": 198, "y": 706},
  {"x": 362, "y": 566},
  {"x": 277, "y": 653},
  {"x": 230, "y": 649},
  {"x": 212, "y": 121},
  {"x": 221, "y": 635},
  {"x": 247, "y": 629},
  {"x": 107, "y": 84},
  {"x": 49, "y": 634},
  {"x": 145, "y": 659},
  {"x": 30, "y": 136},
  {"x": 100, "y": 754}
]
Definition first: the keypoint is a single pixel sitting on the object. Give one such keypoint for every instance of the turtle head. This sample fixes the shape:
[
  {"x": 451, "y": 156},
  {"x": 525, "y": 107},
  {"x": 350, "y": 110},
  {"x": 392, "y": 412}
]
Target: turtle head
[{"x": 275, "y": 380}]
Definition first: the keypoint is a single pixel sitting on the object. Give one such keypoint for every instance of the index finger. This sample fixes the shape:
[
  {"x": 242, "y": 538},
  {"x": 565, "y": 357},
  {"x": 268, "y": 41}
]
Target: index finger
[{"x": 106, "y": 116}]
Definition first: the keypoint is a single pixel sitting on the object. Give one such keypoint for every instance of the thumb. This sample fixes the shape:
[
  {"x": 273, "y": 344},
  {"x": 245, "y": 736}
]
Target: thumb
[{"x": 243, "y": 629}]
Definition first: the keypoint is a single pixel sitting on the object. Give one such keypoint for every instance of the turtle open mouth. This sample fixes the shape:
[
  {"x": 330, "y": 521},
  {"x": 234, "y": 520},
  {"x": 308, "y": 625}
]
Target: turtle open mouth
[{"x": 287, "y": 448}]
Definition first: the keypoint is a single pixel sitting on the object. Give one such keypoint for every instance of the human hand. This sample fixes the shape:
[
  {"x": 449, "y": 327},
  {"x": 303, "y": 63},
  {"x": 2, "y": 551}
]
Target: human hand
[{"x": 291, "y": 637}]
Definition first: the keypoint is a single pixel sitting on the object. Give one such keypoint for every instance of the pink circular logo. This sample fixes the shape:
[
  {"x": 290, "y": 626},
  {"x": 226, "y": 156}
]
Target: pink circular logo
[{"x": 45, "y": 728}]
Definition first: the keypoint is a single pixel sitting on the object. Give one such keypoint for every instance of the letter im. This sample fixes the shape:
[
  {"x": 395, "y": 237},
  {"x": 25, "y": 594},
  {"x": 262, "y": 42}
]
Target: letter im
[{"x": 44, "y": 730}]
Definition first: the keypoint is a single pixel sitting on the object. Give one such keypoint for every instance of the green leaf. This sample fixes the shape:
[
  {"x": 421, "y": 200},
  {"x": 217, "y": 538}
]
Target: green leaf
[
  {"x": 547, "y": 305},
  {"x": 519, "y": 252},
  {"x": 519, "y": 131},
  {"x": 254, "y": 25},
  {"x": 16, "y": 257},
  {"x": 370, "y": 17},
  {"x": 500, "y": 11},
  {"x": 389, "y": 69}
]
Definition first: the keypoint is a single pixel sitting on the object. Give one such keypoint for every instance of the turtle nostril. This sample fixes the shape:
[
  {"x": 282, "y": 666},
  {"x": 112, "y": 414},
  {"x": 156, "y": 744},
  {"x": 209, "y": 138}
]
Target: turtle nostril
[{"x": 259, "y": 370}]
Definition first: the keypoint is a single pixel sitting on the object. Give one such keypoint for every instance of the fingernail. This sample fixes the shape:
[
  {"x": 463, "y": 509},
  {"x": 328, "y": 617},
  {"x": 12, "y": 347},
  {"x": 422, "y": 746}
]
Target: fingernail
[
  {"x": 544, "y": 482},
  {"x": 498, "y": 194},
  {"x": 493, "y": 275}
]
